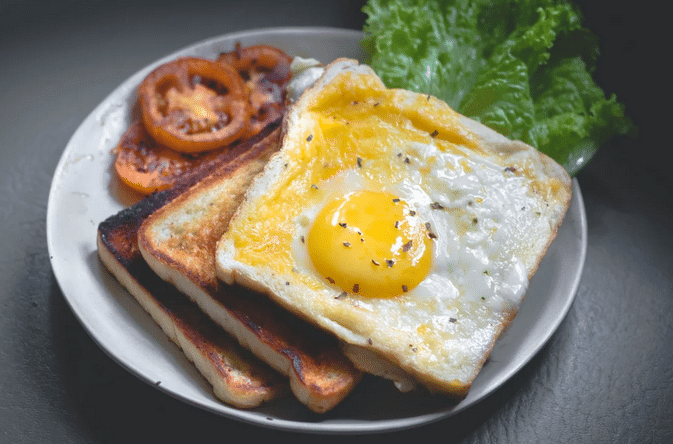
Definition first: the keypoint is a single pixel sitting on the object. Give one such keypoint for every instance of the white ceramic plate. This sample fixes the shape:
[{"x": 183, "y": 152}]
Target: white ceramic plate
[{"x": 84, "y": 193}]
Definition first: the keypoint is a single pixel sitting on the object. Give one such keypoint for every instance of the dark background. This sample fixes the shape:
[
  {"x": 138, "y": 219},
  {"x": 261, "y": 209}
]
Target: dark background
[{"x": 606, "y": 376}]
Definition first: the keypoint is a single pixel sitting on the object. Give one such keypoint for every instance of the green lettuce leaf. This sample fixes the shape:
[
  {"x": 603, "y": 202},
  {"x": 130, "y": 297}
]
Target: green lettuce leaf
[{"x": 521, "y": 67}]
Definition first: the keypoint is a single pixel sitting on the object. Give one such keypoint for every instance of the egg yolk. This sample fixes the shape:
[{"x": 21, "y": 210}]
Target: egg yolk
[{"x": 370, "y": 243}]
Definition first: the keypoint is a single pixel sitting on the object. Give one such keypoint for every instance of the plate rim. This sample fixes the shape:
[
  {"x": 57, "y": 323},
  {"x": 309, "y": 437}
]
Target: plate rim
[{"x": 339, "y": 427}]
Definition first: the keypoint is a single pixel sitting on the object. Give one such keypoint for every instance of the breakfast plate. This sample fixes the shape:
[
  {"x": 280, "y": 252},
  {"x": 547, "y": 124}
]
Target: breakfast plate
[{"x": 84, "y": 192}]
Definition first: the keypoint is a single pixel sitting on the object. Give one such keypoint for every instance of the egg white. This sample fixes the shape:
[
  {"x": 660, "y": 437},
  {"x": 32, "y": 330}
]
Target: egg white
[{"x": 467, "y": 264}]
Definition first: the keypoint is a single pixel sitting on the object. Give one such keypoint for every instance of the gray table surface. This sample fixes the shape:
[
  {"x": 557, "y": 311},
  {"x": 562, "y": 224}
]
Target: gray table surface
[{"x": 605, "y": 376}]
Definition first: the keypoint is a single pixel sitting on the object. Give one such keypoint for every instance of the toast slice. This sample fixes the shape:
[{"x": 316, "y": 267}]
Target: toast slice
[
  {"x": 178, "y": 241},
  {"x": 479, "y": 212},
  {"x": 237, "y": 376}
]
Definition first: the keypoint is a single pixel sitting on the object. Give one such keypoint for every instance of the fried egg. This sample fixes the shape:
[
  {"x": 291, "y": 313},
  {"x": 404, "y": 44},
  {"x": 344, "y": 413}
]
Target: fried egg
[{"x": 404, "y": 228}]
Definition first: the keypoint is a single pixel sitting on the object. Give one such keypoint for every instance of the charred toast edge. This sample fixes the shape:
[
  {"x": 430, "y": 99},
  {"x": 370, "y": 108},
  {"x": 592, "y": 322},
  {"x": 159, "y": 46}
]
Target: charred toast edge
[{"x": 237, "y": 378}]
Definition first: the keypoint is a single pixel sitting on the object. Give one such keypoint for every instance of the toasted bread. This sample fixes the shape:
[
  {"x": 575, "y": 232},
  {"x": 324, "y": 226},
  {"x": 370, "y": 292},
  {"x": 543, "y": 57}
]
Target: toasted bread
[
  {"x": 237, "y": 376},
  {"x": 491, "y": 207},
  {"x": 178, "y": 241}
]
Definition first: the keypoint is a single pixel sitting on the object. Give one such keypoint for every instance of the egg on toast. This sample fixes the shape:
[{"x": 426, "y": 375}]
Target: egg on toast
[{"x": 407, "y": 230}]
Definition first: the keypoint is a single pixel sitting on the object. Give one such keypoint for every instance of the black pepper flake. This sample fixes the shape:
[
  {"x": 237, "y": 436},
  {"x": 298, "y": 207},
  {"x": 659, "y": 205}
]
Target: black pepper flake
[
  {"x": 406, "y": 247},
  {"x": 432, "y": 235},
  {"x": 377, "y": 104},
  {"x": 396, "y": 200},
  {"x": 343, "y": 224},
  {"x": 453, "y": 320},
  {"x": 390, "y": 263},
  {"x": 356, "y": 288},
  {"x": 475, "y": 221},
  {"x": 285, "y": 164},
  {"x": 397, "y": 224},
  {"x": 436, "y": 206},
  {"x": 347, "y": 244},
  {"x": 414, "y": 349},
  {"x": 355, "y": 102},
  {"x": 487, "y": 273},
  {"x": 302, "y": 239},
  {"x": 405, "y": 288},
  {"x": 362, "y": 240},
  {"x": 342, "y": 295},
  {"x": 369, "y": 341},
  {"x": 359, "y": 160},
  {"x": 309, "y": 138},
  {"x": 538, "y": 213},
  {"x": 406, "y": 160},
  {"x": 287, "y": 283},
  {"x": 330, "y": 280},
  {"x": 510, "y": 169},
  {"x": 523, "y": 208},
  {"x": 412, "y": 213},
  {"x": 434, "y": 134},
  {"x": 399, "y": 154},
  {"x": 375, "y": 262},
  {"x": 483, "y": 298}
]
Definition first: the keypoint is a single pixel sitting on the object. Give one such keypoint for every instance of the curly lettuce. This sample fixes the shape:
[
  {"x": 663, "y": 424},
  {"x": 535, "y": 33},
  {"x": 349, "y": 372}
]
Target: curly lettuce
[{"x": 521, "y": 67}]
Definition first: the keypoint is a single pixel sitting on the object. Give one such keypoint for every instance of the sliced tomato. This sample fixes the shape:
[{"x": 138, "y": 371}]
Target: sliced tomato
[
  {"x": 193, "y": 105},
  {"x": 146, "y": 165},
  {"x": 265, "y": 70}
]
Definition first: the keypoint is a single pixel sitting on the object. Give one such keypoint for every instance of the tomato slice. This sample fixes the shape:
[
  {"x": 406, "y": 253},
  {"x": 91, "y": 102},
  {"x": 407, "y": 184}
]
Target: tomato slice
[
  {"x": 259, "y": 61},
  {"x": 265, "y": 70},
  {"x": 193, "y": 108},
  {"x": 193, "y": 105},
  {"x": 148, "y": 166}
]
